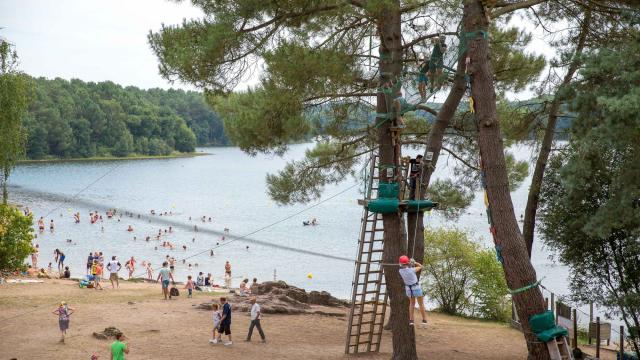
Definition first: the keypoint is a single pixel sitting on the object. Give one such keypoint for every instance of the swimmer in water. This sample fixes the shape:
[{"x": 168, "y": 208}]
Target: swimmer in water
[
  {"x": 51, "y": 225},
  {"x": 130, "y": 228}
]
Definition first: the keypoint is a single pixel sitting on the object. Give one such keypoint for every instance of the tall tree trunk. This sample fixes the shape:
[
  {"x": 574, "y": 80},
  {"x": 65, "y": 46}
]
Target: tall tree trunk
[
  {"x": 4, "y": 179},
  {"x": 507, "y": 237},
  {"x": 390, "y": 67},
  {"x": 528, "y": 228},
  {"x": 415, "y": 221}
]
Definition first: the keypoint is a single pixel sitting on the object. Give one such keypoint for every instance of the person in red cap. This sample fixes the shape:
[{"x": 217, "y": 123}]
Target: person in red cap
[{"x": 409, "y": 273}]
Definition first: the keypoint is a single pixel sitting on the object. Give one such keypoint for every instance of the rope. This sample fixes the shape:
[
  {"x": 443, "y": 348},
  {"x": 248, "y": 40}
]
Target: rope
[{"x": 525, "y": 288}]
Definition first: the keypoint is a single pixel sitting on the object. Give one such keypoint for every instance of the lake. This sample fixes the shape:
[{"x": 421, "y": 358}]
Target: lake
[{"x": 230, "y": 187}]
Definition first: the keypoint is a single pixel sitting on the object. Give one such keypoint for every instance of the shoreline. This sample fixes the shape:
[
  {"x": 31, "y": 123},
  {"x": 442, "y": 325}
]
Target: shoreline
[{"x": 114, "y": 158}]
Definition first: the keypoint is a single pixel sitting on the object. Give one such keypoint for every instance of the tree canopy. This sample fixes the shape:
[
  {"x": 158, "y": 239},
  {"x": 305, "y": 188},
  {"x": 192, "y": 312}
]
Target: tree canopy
[
  {"x": 590, "y": 212},
  {"x": 76, "y": 119}
]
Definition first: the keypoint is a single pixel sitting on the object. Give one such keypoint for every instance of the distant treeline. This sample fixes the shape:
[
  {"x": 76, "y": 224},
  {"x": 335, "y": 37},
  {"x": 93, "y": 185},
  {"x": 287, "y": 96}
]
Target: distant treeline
[{"x": 77, "y": 119}]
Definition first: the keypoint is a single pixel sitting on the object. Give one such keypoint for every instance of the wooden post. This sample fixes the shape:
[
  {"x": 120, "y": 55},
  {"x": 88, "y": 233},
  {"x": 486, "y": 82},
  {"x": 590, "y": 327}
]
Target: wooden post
[
  {"x": 575, "y": 329},
  {"x": 546, "y": 301},
  {"x": 553, "y": 307},
  {"x": 590, "y": 319},
  {"x": 598, "y": 337},
  {"x": 621, "y": 342}
]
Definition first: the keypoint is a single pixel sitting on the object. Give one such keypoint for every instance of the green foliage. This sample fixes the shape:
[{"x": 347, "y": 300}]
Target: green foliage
[
  {"x": 517, "y": 171},
  {"x": 15, "y": 237},
  {"x": 490, "y": 287},
  {"x": 302, "y": 181},
  {"x": 463, "y": 278},
  {"x": 589, "y": 215},
  {"x": 452, "y": 198},
  {"x": 262, "y": 120},
  {"x": 79, "y": 119},
  {"x": 513, "y": 68},
  {"x": 15, "y": 91}
]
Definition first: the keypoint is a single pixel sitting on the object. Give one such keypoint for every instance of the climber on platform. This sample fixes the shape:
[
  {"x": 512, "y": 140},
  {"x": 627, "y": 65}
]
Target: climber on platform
[
  {"x": 414, "y": 174},
  {"x": 409, "y": 273},
  {"x": 423, "y": 69},
  {"x": 436, "y": 63}
]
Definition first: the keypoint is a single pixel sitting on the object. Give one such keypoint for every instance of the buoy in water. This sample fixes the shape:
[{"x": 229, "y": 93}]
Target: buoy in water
[{"x": 310, "y": 275}]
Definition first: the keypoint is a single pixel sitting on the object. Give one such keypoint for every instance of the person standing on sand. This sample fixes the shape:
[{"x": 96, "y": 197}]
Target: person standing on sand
[
  {"x": 63, "y": 312},
  {"x": 119, "y": 348},
  {"x": 167, "y": 277},
  {"x": 131, "y": 266},
  {"x": 34, "y": 256},
  {"x": 255, "y": 320},
  {"x": 225, "y": 321},
  {"x": 90, "y": 262},
  {"x": 113, "y": 267}
]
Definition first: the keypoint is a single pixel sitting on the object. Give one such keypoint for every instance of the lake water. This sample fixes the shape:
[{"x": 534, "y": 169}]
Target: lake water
[{"x": 230, "y": 187}]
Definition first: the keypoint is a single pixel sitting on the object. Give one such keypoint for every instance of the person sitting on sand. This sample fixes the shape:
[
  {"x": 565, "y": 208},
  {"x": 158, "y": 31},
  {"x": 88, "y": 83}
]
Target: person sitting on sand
[
  {"x": 200, "y": 279},
  {"x": 167, "y": 277},
  {"x": 43, "y": 275},
  {"x": 31, "y": 271},
  {"x": 409, "y": 273},
  {"x": 254, "y": 286},
  {"x": 119, "y": 348},
  {"x": 208, "y": 281},
  {"x": 244, "y": 289},
  {"x": 67, "y": 273},
  {"x": 63, "y": 312}
]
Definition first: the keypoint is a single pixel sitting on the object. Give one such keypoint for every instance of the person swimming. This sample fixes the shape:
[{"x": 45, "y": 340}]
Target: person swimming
[{"x": 130, "y": 228}]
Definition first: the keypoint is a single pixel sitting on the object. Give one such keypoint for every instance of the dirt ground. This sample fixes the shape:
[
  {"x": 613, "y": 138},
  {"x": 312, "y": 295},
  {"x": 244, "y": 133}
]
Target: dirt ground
[{"x": 159, "y": 329}]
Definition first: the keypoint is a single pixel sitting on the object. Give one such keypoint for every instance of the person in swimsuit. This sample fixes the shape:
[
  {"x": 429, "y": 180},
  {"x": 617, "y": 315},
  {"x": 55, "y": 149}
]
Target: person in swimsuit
[{"x": 409, "y": 273}]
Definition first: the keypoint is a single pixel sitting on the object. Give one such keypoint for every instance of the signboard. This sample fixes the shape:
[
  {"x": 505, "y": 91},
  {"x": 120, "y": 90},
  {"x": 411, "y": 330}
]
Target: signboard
[{"x": 563, "y": 315}]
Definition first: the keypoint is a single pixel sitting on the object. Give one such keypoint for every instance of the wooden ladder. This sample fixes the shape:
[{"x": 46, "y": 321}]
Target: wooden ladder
[
  {"x": 368, "y": 296},
  {"x": 559, "y": 349}
]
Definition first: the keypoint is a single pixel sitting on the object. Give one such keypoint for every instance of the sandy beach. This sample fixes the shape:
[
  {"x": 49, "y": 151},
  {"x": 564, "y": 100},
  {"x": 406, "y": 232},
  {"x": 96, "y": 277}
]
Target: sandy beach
[{"x": 175, "y": 329}]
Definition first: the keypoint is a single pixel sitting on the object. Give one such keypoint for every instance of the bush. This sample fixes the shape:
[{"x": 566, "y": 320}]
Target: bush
[
  {"x": 15, "y": 237},
  {"x": 463, "y": 278}
]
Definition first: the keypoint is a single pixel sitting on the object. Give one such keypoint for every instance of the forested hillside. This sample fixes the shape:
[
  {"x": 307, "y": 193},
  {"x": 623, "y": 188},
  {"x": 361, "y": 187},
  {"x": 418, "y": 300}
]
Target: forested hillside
[{"x": 77, "y": 119}]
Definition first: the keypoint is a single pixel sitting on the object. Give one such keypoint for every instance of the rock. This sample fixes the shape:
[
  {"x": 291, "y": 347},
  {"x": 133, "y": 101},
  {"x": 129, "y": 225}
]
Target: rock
[
  {"x": 131, "y": 303},
  {"x": 205, "y": 306},
  {"x": 332, "y": 314},
  {"x": 109, "y": 332}
]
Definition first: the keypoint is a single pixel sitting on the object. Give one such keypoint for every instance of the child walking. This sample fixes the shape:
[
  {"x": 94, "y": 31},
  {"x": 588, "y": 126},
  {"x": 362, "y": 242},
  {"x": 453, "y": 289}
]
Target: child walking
[
  {"x": 63, "y": 312},
  {"x": 216, "y": 323},
  {"x": 189, "y": 286}
]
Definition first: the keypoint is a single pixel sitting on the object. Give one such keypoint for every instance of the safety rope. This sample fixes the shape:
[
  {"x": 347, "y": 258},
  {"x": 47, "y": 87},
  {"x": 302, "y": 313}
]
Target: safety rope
[{"x": 525, "y": 288}]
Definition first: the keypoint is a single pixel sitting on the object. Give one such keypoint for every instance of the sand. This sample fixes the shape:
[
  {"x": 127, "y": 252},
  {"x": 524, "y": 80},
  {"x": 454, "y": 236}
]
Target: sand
[{"x": 159, "y": 329}]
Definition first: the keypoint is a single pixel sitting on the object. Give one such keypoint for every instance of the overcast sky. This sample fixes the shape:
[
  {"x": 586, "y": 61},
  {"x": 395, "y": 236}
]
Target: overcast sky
[
  {"x": 90, "y": 40},
  {"x": 101, "y": 40}
]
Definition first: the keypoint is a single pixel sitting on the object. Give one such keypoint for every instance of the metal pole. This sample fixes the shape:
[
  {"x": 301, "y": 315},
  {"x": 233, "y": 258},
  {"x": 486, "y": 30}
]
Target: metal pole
[
  {"x": 621, "y": 342},
  {"x": 553, "y": 307},
  {"x": 590, "y": 320},
  {"x": 575, "y": 329},
  {"x": 274, "y": 275},
  {"x": 598, "y": 337}
]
